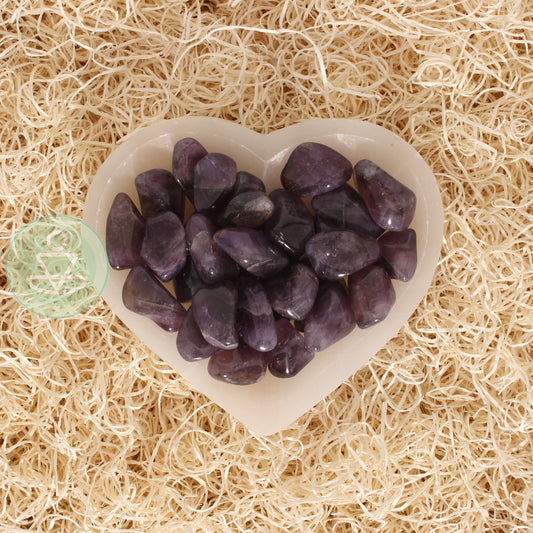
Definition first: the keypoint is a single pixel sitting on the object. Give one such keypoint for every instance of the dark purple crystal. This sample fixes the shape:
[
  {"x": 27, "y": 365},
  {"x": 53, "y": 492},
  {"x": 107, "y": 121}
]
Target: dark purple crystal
[
  {"x": 390, "y": 203},
  {"x": 255, "y": 320},
  {"x": 292, "y": 293},
  {"x": 247, "y": 182},
  {"x": 398, "y": 249},
  {"x": 214, "y": 311},
  {"x": 187, "y": 152},
  {"x": 163, "y": 248},
  {"x": 190, "y": 342},
  {"x": 124, "y": 233},
  {"x": 343, "y": 208},
  {"x": 214, "y": 178},
  {"x": 313, "y": 168},
  {"x": 371, "y": 294},
  {"x": 291, "y": 223},
  {"x": 337, "y": 253},
  {"x": 249, "y": 209},
  {"x": 187, "y": 282},
  {"x": 241, "y": 366},
  {"x": 331, "y": 318},
  {"x": 252, "y": 249},
  {"x": 145, "y": 295},
  {"x": 290, "y": 354},
  {"x": 158, "y": 192}
]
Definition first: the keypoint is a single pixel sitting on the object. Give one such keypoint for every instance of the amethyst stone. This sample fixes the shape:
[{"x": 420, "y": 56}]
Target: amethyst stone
[
  {"x": 214, "y": 312},
  {"x": 291, "y": 223},
  {"x": 187, "y": 282},
  {"x": 158, "y": 192},
  {"x": 337, "y": 253},
  {"x": 255, "y": 321},
  {"x": 249, "y": 209},
  {"x": 124, "y": 233},
  {"x": 390, "y": 203},
  {"x": 247, "y": 182},
  {"x": 398, "y": 249},
  {"x": 241, "y": 366},
  {"x": 343, "y": 208},
  {"x": 372, "y": 295},
  {"x": 163, "y": 247},
  {"x": 291, "y": 354},
  {"x": 331, "y": 318},
  {"x": 313, "y": 168},
  {"x": 186, "y": 154},
  {"x": 145, "y": 295},
  {"x": 252, "y": 249},
  {"x": 214, "y": 178},
  {"x": 190, "y": 342},
  {"x": 292, "y": 293}
]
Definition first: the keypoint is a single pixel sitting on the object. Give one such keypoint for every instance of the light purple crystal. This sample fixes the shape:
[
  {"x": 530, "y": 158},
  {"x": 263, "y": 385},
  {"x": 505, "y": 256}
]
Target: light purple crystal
[
  {"x": 158, "y": 192},
  {"x": 187, "y": 152},
  {"x": 247, "y": 182},
  {"x": 241, "y": 366},
  {"x": 249, "y": 209},
  {"x": 190, "y": 342},
  {"x": 145, "y": 295},
  {"x": 214, "y": 178},
  {"x": 398, "y": 249}
]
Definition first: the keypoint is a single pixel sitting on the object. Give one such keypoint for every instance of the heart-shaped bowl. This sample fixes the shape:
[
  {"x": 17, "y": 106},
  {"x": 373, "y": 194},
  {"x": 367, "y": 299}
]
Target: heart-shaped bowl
[{"x": 273, "y": 403}]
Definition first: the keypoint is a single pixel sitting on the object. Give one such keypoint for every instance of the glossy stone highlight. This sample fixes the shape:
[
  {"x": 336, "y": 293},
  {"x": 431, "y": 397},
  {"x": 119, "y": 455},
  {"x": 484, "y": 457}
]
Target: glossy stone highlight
[
  {"x": 371, "y": 294},
  {"x": 398, "y": 249},
  {"x": 145, "y": 295},
  {"x": 314, "y": 168},
  {"x": 337, "y": 253},
  {"x": 187, "y": 152},
  {"x": 124, "y": 233},
  {"x": 249, "y": 209},
  {"x": 241, "y": 366},
  {"x": 390, "y": 203},
  {"x": 331, "y": 318},
  {"x": 187, "y": 282},
  {"x": 291, "y": 354},
  {"x": 158, "y": 192},
  {"x": 190, "y": 342},
  {"x": 163, "y": 247}
]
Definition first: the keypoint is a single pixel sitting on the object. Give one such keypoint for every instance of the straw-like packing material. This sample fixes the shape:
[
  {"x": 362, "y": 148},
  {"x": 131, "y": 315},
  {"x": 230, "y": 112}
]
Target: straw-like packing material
[{"x": 435, "y": 433}]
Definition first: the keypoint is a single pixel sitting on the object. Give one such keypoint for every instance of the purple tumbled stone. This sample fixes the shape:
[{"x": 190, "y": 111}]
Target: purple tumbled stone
[
  {"x": 214, "y": 178},
  {"x": 398, "y": 249},
  {"x": 344, "y": 208},
  {"x": 145, "y": 295},
  {"x": 214, "y": 311},
  {"x": 292, "y": 293},
  {"x": 163, "y": 247},
  {"x": 337, "y": 253},
  {"x": 187, "y": 152},
  {"x": 190, "y": 342},
  {"x": 247, "y": 182},
  {"x": 331, "y": 318},
  {"x": 255, "y": 320},
  {"x": 241, "y": 366},
  {"x": 158, "y": 192},
  {"x": 390, "y": 203},
  {"x": 124, "y": 233},
  {"x": 291, "y": 223},
  {"x": 314, "y": 168},
  {"x": 249, "y": 209},
  {"x": 371, "y": 294},
  {"x": 252, "y": 250},
  {"x": 187, "y": 282},
  {"x": 290, "y": 354}
]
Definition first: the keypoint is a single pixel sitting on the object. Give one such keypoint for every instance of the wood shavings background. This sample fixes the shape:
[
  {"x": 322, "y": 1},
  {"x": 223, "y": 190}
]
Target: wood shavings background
[{"x": 435, "y": 433}]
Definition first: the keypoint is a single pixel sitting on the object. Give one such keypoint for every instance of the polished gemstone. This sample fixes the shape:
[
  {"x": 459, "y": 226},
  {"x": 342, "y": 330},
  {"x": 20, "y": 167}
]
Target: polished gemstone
[
  {"x": 187, "y": 282},
  {"x": 124, "y": 233},
  {"x": 290, "y": 354},
  {"x": 255, "y": 320},
  {"x": 390, "y": 203},
  {"x": 337, "y": 253},
  {"x": 314, "y": 168},
  {"x": 214, "y": 178},
  {"x": 252, "y": 250},
  {"x": 344, "y": 208},
  {"x": 247, "y": 182},
  {"x": 214, "y": 310},
  {"x": 398, "y": 249},
  {"x": 331, "y": 318},
  {"x": 187, "y": 152},
  {"x": 291, "y": 223},
  {"x": 145, "y": 295},
  {"x": 292, "y": 293},
  {"x": 163, "y": 247},
  {"x": 240, "y": 366},
  {"x": 158, "y": 192},
  {"x": 190, "y": 342},
  {"x": 249, "y": 209},
  {"x": 371, "y": 294}
]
